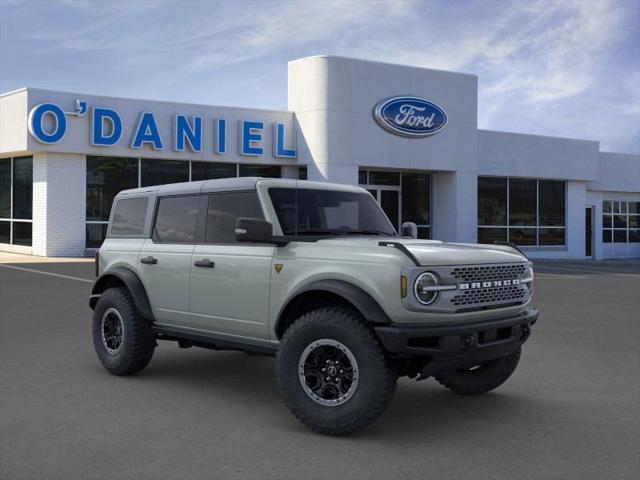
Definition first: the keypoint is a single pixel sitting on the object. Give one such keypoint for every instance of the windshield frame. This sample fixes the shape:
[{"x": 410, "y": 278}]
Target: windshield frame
[{"x": 385, "y": 227}]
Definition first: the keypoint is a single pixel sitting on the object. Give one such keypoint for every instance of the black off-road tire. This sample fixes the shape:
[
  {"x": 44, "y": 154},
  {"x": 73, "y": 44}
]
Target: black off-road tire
[
  {"x": 481, "y": 379},
  {"x": 377, "y": 377},
  {"x": 138, "y": 341}
]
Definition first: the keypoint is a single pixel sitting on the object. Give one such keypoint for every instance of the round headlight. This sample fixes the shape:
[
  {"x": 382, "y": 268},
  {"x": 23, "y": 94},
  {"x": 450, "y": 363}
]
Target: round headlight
[{"x": 421, "y": 288}]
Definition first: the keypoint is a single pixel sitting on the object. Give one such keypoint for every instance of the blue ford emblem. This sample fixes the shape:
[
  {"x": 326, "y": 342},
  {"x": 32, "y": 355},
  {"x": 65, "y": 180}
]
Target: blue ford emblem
[{"x": 410, "y": 116}]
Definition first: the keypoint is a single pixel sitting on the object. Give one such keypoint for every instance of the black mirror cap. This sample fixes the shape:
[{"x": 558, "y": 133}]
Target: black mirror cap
[{"x": 253, "y": 230}]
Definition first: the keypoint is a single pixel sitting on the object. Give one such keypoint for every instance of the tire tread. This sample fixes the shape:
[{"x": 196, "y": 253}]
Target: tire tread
[{"x": 363, "y": 333}]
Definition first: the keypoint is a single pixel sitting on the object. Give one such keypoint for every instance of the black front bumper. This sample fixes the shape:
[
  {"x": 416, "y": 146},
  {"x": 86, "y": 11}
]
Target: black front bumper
[{"x": 449, "y": 347}]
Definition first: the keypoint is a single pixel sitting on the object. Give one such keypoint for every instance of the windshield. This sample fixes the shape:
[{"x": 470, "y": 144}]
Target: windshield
[{"x": 328, "y": 212}]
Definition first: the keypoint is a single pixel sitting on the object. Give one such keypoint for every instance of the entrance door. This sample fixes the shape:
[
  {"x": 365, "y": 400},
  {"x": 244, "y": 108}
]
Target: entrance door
[
  {"x": 588, "y": 231},
  {"x": 389, "y": 199}
]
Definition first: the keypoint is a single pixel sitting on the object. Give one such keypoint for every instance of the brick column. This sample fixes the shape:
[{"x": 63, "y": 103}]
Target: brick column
[{"x": 59, "y": 199}]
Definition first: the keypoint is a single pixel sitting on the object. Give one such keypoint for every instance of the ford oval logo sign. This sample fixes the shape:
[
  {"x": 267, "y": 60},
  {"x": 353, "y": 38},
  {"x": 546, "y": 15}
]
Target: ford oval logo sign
[{"x": 410, "y": 116}]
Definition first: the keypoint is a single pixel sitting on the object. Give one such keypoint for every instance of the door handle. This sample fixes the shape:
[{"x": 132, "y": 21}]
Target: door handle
[
  {"x": 149, "y": 260},
  {"x": 205, "y": 262}
]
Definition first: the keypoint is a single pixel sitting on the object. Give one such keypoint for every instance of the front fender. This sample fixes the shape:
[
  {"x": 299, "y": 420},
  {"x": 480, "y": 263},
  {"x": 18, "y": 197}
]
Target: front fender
[{"x": 361, "y": 300}]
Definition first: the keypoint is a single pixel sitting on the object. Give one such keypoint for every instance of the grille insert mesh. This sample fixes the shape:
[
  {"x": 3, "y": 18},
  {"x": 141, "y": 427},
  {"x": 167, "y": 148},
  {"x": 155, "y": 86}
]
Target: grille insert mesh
[
  {"x": 490, "y": 272},
  {"x": 490, "y": 295}
]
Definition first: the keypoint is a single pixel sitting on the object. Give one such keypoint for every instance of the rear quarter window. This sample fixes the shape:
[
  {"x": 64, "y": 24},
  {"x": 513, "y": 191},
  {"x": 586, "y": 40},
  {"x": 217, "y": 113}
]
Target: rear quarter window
[{"x": 129, "y": 217}]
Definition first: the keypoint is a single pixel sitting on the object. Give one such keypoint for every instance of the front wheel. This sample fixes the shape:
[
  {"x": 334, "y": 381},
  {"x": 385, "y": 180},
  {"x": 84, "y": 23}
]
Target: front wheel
[
  {"x": 333, "y": 373},
  {"x": 481, "y": 378}
]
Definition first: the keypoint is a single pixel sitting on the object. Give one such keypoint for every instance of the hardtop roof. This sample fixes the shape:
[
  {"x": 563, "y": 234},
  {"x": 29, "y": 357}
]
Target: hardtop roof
[{"x": 230, "y": 184}]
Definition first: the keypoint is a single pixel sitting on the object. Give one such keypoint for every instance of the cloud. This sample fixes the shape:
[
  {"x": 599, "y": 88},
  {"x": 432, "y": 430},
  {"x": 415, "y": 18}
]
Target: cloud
[{"x": 543, "y": 66}]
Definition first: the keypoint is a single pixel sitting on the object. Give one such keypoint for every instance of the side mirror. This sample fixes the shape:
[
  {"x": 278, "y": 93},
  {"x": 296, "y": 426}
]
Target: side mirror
[
  {"x": 410, "y": 230},
  {"x": 253, "y": 230}
]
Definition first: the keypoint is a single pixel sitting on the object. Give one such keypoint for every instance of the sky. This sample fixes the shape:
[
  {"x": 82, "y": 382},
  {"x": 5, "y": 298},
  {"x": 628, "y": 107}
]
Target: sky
[{"x": 568, "y": 68}]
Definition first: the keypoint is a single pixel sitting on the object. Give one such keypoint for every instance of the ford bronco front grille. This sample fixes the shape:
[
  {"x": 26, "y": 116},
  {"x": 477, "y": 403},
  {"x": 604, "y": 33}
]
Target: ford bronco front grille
[
  {"x": 496, "y": 285},
  {"x": 478, "y": 273},
  {"x": 468, "y": 288}
]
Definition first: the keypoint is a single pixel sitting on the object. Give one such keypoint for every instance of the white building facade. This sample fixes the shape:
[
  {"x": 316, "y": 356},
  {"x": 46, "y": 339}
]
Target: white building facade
[{"x": 408, "y": 135}]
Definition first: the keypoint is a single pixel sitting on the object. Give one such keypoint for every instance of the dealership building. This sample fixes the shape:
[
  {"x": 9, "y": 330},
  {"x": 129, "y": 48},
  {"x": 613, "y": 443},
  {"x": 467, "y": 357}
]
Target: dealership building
[{"x": 408, "y": 135}]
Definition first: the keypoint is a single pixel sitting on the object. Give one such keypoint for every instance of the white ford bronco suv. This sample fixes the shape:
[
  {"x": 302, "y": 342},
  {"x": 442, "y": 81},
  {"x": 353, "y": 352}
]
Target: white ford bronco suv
[{"x": 315, "y": 274}]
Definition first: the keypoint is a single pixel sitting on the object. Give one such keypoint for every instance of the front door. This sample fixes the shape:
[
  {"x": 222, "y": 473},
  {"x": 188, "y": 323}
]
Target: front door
[
  {"x": 588, "y": 233},
  {"x": 230, "y": 280}
]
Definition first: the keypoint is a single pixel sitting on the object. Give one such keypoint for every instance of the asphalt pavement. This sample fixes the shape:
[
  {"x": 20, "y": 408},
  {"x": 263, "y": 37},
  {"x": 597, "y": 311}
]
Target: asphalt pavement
[{"x": 571, "y": 410}]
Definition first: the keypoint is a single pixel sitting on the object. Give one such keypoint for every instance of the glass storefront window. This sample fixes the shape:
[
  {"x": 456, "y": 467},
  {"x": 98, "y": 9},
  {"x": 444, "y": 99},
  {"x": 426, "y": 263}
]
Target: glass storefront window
[
  {"x": 492, "y": 201},
  {"x": 161, "y": 172},
  {"x": 522, "y": 236},
  {"x": 22, "y": 187},
  {"x": 491, "y": 235},
  {"x": 403, "y": 196},
  {"x": 523, "y": 211},
  {"x": 212, "y": 170},
  {"x": 377, "y": 177},
  {"x": 5, "y": 231},
  {"x": 95, "y": 234},
  {"x": 619, "y": 236},
  {"x": 522, "y": 202},
  {"x": 16, "y": 200},
  {"x": 106, "y": 176},
  {"x": 551, "y": 203},
  {"x": 267, "y": 171},
  {"x": 551, "y": 236},
  {"x": 5, "y": 188},
  {"x": 620, "y": 221},
  {"x": 22, "y": 233},
  {"x": 416, "y": 198}
]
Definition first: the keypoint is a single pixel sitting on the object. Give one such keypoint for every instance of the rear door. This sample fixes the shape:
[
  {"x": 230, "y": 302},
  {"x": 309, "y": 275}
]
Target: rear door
[
  {"x": 230, "y": 280},
  {"x": 164, "y": 263}
]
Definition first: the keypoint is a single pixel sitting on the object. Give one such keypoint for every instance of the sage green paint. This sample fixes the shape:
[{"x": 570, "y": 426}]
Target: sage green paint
[{"x": 244, "y": 295}]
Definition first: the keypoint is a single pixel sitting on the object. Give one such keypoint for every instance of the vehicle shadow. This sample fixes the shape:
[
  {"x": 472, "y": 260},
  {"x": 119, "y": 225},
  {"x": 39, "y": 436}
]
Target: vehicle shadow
[{"x": 423, "y": 409}]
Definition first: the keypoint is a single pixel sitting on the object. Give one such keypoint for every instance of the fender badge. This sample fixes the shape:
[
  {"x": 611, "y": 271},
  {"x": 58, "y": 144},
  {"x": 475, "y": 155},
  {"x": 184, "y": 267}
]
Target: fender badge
[{"x": 278, "y": 267}]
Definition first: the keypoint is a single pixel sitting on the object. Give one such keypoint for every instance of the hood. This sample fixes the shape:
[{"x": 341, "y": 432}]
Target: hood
[{"x": 435, "y": 252}]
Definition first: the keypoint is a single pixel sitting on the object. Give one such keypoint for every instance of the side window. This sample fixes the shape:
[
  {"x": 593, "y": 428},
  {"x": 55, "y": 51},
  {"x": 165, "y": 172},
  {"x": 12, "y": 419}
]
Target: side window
[
  {"x": 176, "y": 219},
  {"x": 129, "y": 216},
  {"x": 224, "y": 210}
]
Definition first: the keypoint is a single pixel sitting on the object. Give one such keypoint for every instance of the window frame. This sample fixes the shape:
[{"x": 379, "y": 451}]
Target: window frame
[
  {"x": 199, "y": 232},
  {"x": 11, "y": 219},
  {"x": 365, "y": 172},
  {"x": 616, "y": 210},
  {"x": 538, "y": 226},
  {"x": 112, "y": 215},
  {"x": 209, "y": 195}
]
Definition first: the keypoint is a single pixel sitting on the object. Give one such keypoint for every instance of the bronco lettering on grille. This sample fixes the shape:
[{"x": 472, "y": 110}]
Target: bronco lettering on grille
[{"x": 493, "y": 283}]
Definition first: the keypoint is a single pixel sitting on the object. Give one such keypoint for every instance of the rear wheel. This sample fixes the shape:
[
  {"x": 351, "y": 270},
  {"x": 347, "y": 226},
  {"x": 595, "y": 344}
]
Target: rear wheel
[
  {"x": 480, "y": 378},
  {"x": 332, "y": 372},
  {"x": 123, "y": 341}
]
